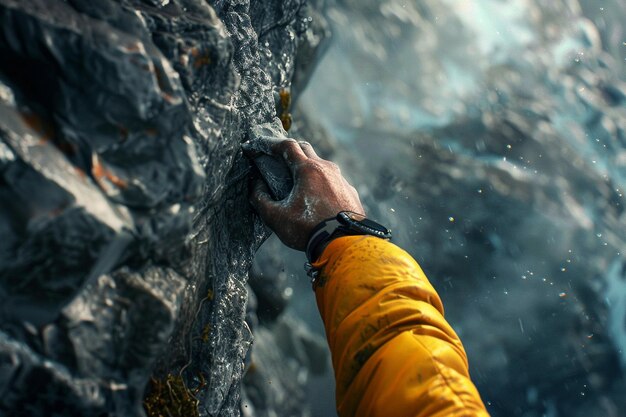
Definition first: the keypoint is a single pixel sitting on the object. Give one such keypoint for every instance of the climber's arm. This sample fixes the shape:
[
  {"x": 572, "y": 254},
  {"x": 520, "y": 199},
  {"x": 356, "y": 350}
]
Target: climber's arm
[{"x": 393, "y": 352}]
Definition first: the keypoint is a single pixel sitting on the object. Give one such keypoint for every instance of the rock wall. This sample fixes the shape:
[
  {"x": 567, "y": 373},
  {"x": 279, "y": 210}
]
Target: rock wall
[{"x": 126, "y": 231}]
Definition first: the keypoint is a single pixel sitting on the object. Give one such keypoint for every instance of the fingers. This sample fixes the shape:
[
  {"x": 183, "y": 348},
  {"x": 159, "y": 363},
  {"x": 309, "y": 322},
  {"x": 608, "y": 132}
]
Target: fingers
[
  {"x": 291, "y": 152},
  {"x": 262, "y": 201},
  {"x": 308, "y": 150}
]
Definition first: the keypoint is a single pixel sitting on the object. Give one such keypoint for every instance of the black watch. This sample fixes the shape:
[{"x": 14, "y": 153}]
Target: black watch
[{"x": 346, "y": 223}]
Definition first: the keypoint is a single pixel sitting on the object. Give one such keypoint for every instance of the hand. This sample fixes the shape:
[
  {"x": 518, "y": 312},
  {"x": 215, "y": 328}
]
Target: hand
[{"x": 319, "y": 192}]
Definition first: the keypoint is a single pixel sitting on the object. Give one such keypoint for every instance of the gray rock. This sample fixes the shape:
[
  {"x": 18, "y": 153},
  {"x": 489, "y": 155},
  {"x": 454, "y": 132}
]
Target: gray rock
[
  {"x": 284, "y": 355},
  {"x": 127, "y": 235}
]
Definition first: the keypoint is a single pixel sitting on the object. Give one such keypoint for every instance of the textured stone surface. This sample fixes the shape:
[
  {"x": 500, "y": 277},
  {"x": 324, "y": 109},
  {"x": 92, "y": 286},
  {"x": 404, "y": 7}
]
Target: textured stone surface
[{"x": 127, "y": 235}]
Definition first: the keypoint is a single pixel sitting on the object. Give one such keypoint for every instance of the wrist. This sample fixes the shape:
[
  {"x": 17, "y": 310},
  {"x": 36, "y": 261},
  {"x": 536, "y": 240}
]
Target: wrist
[
  {"x": 345, "y": 223},
  {"x": 320, "y": 237}
]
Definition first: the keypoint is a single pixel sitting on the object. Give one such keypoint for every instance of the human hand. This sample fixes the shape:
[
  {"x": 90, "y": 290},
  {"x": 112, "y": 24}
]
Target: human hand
[{"x": 319, "y": 192}]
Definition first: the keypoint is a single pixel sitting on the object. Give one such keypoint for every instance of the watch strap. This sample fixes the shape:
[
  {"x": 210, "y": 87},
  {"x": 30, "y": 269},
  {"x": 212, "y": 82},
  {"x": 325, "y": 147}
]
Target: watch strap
[
  {"x": 331, "y": 228},
  {"x": 341, "y": 225},
  {"x": 320, "y": 236}
]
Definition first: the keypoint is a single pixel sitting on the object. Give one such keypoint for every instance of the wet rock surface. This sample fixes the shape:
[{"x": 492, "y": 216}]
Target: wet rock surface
[{"x": 126, "y": 231}]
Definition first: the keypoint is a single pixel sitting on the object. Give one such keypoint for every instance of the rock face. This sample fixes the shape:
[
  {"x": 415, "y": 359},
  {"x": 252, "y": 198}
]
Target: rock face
[{"x": 126, "y": 232}]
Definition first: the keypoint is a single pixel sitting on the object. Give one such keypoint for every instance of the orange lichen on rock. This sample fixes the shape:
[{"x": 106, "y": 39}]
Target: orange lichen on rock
[
  {"x": 34, "y": 122},
  {"x": 46, "y": 133},
  {"x": 99, "y": 172},
  {"x": 206, "y": 332},
  {"x": 170, "y": 398},
  {"x": 285, "y": 104},
  {"x": 199, "y": 59}
]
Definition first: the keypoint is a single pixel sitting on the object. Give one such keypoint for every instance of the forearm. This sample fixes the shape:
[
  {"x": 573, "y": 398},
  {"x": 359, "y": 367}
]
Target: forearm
[{"x": 393, "y": 352}]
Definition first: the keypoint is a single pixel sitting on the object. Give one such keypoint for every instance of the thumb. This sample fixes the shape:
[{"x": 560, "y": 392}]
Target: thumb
[{"x": 262, "y": 202}]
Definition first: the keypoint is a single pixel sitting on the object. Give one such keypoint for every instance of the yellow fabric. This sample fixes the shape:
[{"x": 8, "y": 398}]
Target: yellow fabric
[{"x": 393, "y": 352}]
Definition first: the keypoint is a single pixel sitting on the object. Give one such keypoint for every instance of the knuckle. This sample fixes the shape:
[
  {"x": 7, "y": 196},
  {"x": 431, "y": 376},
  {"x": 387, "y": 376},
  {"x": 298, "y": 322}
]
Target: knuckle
[
  {"x": 285, "y": 146},
  {"x": 288, "y": 144},
  {"x": 334, "y": 166},
  {"x": 308, "y": 167}
]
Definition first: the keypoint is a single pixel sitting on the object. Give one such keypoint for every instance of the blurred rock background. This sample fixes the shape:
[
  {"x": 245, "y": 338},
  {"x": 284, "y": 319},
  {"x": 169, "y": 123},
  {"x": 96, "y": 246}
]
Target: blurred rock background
[{"x": 490, "y": 136}]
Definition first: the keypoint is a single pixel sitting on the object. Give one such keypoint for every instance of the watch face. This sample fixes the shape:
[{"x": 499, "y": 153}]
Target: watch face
[
  {"x": 358, "y": 222},
  {"x": 354, "y": 216},
  {"x": 373, "y": 225}
]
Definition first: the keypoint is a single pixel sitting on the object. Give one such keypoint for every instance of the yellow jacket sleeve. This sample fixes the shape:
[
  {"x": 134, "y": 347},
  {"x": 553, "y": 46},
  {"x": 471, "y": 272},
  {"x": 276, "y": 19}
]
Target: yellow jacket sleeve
[{"x": 393, "y": 352}]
